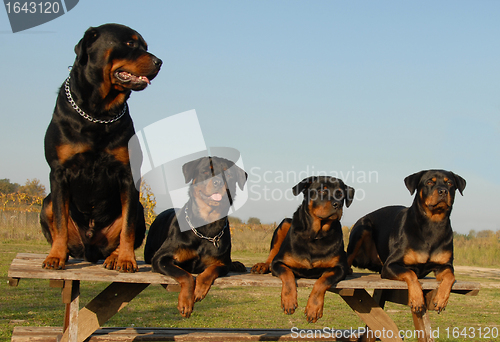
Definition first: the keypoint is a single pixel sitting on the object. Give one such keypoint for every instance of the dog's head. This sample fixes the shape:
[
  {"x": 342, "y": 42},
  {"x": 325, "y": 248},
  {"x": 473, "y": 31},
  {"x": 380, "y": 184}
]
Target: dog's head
[
  {"x": 115, "y": 57},
  {"x": 435, "y": 191},
  {"x": 213, "y": 185},
  {"x": 324, "y": 198}
]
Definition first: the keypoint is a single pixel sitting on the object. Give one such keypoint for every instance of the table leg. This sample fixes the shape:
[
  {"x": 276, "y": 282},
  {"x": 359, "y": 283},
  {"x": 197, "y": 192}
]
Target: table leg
[
  {"x": 104, "y": 306},
  {"x": 13, "y": 281},
  {"x": 172, "y": 287},
  {"x": 421, "y": 322},
  {"x": 71, "y": 297},
  {"x": 379, "y": 297},
  {"x": 380, "y": 324},
  {"x": 423, "y": 327}
]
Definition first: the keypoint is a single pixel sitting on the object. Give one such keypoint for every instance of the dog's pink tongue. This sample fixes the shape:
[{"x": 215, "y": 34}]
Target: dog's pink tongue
[
  {"x": 145, "y": 79},
  {"x": 216, "y": 197}
]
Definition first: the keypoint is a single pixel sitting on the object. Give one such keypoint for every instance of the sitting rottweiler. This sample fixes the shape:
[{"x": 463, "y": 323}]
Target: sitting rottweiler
[
  {"x": 310, "y": 245},
  {"x": 196, "y": 239},
  {"x": 93, "y": 210},
  {"x": 408, "y": 243}
]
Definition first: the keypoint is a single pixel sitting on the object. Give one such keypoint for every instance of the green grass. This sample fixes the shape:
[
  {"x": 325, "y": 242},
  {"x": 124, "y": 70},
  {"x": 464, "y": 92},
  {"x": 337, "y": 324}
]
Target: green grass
[
  {"x": 34, "y": 303},
  {"x": 477, "y": 251}
]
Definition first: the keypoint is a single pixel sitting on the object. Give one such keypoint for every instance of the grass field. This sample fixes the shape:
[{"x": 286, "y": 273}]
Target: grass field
[{"x": 34, "y": 303}]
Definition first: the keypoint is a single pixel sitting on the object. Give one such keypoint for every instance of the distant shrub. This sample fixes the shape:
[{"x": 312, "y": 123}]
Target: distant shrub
[
  {"x": 253, "y": 220},
  {"x": 148, "y": 201},
  {"x": 234, "y": 220},
  {"x": 20, "y": 202}
]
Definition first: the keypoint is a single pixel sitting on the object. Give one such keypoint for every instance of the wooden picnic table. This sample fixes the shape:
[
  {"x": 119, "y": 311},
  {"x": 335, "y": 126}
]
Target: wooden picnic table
[{"x": 80, "y": 324}]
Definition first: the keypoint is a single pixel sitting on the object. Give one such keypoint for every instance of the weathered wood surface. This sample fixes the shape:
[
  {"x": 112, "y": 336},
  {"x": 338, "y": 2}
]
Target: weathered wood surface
[
  {"x": 125, "y": 286},
  {"x": 49, "y": 334},
  {"x": 27, "y": 265}
]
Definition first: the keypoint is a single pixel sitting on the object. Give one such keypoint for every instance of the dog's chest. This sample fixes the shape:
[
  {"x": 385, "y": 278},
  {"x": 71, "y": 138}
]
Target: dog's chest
[
  {"x": 92, "y": 158},
  {"x": 415, "y": 257},
  {"x": 94, "y": 174}
]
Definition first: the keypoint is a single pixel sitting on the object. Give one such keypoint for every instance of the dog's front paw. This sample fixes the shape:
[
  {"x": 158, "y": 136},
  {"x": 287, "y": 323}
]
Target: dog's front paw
[
  {"x": 201, "y": 290},
  {"x": 185, "y": 304},
  {"x": 417, "y": 303},
  {"x": 127, "y": 265},
  {"x": 289, "y": 303},
  {"x": 260, "y": 268},
  {"x": 440, "y": 301},
  {"x": 313, "y": 311},
  {"x": 111, "y": 262},
  {"x": 54, "y": 262}
]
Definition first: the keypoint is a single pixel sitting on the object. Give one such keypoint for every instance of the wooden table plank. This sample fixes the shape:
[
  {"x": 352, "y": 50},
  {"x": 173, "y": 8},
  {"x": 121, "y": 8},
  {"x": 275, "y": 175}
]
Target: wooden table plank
[
  {"x": 27, "y": 265},
  {"x": 50, "y": 334},
  {"x": 125, "y": 286}
]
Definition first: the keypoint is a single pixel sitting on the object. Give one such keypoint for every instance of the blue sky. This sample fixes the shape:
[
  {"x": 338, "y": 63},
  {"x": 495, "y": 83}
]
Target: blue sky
[{"x": 352, "y": 88}]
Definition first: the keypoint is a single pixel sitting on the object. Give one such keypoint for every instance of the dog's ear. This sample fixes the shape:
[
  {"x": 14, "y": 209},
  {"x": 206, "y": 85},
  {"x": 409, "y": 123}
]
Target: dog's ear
[
  {"x": 189, "y": 170},
  {"x": 303, "y": 185},
  {"x": 241, "y": 176},
  {"x": 88, "y": 39},
  {"x": 412, "y": 181},
  {"x": 459, "y": 183},
  {"x": 349, "y": 195}
]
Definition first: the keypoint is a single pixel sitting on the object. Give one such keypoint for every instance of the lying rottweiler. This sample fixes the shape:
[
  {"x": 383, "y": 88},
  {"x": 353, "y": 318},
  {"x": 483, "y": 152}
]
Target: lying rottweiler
[
  {"x": 93, "y": 210},
  {"x": 310, "y": 245},
  {"x": 408, "y": 243},
  {"x": 196, "y": 238}
]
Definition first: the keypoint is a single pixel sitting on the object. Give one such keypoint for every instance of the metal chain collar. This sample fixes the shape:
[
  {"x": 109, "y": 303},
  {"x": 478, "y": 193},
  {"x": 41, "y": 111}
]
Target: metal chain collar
[
  {"x": 85, "y": 115},
  {"x": 215, "y": 240}
]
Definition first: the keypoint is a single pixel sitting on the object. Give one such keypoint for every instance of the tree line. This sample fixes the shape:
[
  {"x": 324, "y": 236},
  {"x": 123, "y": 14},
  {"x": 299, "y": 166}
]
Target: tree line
[{"x": 32, "y": 187}]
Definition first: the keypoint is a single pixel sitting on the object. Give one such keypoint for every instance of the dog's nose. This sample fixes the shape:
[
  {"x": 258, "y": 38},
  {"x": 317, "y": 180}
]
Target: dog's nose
[
  {"x": 443, "y": 192},
  {"x": 217, "y": 182},
  {"x": 157, "y": 62}
]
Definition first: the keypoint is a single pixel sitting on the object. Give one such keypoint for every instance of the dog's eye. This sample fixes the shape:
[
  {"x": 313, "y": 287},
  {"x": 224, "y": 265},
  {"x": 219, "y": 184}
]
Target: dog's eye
[
  {"x": 317, "y": 192},
  {"x": 449, "y": 183},
  {"x": 131, "y": 43},
  {"x": 430, "y": 182}
]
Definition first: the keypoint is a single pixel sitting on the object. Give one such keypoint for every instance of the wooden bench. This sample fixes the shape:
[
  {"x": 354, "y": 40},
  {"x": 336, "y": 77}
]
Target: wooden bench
[{"x": 80, "y": 324}]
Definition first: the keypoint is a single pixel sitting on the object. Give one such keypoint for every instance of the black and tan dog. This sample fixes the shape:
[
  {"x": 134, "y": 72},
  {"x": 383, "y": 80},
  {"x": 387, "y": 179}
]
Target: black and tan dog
[
  {"x": 93, "y": 210},
  {"x": 408, "y": 243},
  {"x": 196, "y": 238},
  {"x": 310, "y": 245}
]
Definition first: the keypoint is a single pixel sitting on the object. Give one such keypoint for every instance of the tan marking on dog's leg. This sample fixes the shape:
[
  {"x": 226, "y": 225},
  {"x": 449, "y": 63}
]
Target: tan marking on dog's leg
[
  {"x": 415, "y": 294},
  {"x": 314, "y": 307},
  {"x": 264, "y": 267},
  {"x": 447, "y": 279},
  {"x": 56, "y": 259}
]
